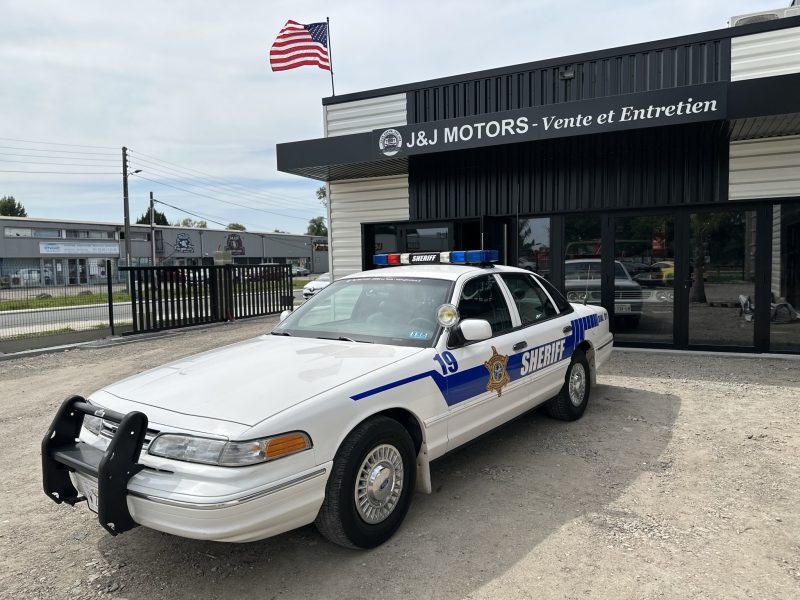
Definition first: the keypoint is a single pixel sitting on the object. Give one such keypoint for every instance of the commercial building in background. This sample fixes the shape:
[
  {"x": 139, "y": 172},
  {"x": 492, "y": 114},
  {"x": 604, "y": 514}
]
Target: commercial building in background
[
  {"x": 46, "y": 252},
  {"x": 661, "y": 180}
]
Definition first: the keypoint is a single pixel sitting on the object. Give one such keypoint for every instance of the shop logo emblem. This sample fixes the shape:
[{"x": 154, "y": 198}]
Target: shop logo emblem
[
  {"x": 390, "y": 142},
  {"x": 183, "y": 243},
  {"x": 498, "y": 374}
]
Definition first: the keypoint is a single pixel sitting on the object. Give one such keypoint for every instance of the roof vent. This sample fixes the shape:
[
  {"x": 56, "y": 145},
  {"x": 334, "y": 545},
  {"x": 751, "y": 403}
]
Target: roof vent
[{"x": 767, "y": 15}]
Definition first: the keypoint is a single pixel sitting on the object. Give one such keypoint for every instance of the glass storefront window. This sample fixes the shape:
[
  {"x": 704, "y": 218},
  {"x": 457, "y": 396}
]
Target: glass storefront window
[
  {"x": 582, "y": 258},
  {"x": 722, "y": 277},
  {"x": 533, "y": 245},
  {"x": 385, "y": 239},
  {"x": 784, "y": 327},
  {"x": 644, "y": 278},
  {"x": 427, "y": 239}
]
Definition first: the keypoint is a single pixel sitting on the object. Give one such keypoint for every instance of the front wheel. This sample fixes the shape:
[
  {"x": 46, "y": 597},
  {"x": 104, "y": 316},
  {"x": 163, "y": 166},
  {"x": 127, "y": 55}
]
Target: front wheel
[
  {"x": 370, "y": 486},
  {"x": 571, "y": 401}
]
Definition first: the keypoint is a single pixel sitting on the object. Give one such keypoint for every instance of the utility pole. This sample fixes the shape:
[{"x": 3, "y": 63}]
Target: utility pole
[
  {"x": 152, "y": 231},
  {"x": 126, "y": 207}
]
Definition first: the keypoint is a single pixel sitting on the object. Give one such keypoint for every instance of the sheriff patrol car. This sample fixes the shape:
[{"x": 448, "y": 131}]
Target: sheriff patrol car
[{"x": 334, "y": 417}]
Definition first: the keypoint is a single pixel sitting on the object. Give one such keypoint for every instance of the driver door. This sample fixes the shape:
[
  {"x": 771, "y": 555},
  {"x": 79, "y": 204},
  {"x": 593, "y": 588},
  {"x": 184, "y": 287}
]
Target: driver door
[{"x": 480, "y": 393}]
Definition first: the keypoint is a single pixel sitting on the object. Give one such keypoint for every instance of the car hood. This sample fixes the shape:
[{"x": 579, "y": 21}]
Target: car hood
[{"x": 248, "y": 382}]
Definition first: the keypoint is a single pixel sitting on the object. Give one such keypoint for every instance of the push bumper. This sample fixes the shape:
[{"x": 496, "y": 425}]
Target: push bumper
[
  {"x": 63, "y": 454},
  {"x": 74, "y": 471}
]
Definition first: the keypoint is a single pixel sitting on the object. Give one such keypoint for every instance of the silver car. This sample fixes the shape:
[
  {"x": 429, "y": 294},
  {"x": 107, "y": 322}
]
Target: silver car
[{"x": 312, "y": 287}]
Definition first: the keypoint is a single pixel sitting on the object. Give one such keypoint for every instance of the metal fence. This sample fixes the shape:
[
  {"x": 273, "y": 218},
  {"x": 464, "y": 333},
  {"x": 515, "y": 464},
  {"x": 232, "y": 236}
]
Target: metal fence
[
  {"x": 36, "y": 312},
  {"x": 171, "y": 297},
  {"x": 34, "y": 306}
]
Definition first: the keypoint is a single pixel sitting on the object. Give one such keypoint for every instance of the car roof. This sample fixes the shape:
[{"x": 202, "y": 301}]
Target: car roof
[{"x": 440, "y": 271}]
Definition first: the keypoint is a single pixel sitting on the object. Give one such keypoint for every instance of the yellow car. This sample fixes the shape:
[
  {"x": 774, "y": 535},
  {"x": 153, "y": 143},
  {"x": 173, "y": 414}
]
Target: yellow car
[{"x": 662, "y": 273}]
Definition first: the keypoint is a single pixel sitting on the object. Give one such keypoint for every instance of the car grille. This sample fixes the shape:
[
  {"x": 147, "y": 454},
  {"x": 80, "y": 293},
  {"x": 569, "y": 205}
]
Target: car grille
[
  {"x": 628, "y": 294},
  {"x": 110, "y": 428}
]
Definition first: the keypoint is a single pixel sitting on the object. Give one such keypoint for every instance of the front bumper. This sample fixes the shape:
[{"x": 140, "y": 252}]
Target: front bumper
[
  {"x": 74, "y": 470},
  {"x": 252, "y": 516}
]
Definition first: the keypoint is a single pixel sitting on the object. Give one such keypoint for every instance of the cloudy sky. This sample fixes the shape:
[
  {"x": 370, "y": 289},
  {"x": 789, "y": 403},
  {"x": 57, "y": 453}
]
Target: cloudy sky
[{"x": 186, "y": 85}]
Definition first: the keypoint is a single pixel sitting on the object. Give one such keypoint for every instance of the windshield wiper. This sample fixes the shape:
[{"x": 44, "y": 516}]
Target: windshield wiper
[
  {"x": 343, "y": 338},
  {"x": 286, "y": 333}
]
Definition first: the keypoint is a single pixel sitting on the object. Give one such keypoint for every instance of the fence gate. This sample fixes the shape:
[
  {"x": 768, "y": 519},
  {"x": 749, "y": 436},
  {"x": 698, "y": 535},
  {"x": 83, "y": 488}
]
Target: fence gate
[{"x": 171, "y": 297}]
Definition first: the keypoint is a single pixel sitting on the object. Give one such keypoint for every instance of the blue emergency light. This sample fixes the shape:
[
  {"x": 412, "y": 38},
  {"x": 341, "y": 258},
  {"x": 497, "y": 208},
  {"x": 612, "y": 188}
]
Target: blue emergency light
[{"x": 456, "y": 257}]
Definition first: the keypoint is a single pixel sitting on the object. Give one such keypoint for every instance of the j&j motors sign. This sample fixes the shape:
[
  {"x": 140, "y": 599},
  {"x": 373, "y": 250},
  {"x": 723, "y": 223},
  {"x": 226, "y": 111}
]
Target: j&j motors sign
[{"x": 632, "y": 111}]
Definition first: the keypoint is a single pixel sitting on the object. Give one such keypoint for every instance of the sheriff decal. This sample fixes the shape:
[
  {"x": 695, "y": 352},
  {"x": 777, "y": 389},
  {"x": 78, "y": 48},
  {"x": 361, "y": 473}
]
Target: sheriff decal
[{"x": 498, "y": 374}]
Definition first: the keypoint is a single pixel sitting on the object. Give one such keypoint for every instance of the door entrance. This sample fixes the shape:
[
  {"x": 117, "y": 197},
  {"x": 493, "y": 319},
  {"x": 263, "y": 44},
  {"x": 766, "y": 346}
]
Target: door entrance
[
  {"x": 719, "y": 279},
  {"x": 644, "y": 278},
  {"x": 76, "y": 271}
]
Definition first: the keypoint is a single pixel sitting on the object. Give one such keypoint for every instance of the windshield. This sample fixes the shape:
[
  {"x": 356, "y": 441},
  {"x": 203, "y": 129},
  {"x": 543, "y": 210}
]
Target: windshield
[
  {"x": 591, "y": 270},
  {"x": 397, "y": 311}
]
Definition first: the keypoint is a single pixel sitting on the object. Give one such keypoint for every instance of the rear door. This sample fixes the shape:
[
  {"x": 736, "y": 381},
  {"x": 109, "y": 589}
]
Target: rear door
[{"x": 543, "y": 339}]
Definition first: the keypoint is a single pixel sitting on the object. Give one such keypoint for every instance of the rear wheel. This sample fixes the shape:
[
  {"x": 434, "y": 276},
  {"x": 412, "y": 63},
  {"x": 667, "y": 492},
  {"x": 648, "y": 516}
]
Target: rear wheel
[
  {"x": 571, "y": 401},
  {"x": 370, "y": 486}
]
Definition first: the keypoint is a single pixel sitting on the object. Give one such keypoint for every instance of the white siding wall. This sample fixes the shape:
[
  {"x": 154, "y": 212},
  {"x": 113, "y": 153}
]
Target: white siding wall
[
  {"x": 358, "y": 201},
  {"x": 360, "y": 116},
  {"x": 766, "y": 168},
  {"x": 765, "y": 54}
]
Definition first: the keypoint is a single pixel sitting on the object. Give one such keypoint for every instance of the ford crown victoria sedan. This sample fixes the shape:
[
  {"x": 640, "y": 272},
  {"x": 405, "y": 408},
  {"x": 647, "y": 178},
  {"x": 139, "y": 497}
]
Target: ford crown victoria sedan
[{"x": 334, "y": 417}]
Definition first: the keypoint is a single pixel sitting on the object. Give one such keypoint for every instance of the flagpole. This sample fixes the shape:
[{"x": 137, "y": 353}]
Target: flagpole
[{"x": 330, "y": 54}]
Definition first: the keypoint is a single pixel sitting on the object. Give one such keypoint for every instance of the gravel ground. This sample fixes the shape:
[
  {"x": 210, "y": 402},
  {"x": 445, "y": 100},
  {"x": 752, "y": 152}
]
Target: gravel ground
[{"x": 681, "y": 481}]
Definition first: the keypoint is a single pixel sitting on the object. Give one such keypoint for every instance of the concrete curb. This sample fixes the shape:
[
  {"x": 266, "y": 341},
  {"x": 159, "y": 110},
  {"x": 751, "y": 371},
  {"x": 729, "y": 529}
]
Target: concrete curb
[
  {"x": 706, "y": 353},
  {"x": 123, "y": 340}
]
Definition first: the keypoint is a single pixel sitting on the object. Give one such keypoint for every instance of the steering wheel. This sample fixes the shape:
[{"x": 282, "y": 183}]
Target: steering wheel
[{"x": 422, "y": 323}]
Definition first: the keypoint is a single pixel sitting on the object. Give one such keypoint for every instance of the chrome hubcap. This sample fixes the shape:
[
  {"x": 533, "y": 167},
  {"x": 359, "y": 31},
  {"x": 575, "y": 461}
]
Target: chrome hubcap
[
  {"x": 379, "y": 483},
  {"x": 577, "y": 384}
]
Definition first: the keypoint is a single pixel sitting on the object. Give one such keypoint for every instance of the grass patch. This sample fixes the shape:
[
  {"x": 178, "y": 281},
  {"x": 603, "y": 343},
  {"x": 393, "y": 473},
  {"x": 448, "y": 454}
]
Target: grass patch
[
  {"x": 25, "y": 336},
  {"x": 61, "y": 301}
]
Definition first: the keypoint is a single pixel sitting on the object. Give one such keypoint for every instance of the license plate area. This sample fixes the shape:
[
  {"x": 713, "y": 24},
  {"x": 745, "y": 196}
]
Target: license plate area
[
  {"x": 87, "y": 487},
  {"x": 622, "y": 308}
]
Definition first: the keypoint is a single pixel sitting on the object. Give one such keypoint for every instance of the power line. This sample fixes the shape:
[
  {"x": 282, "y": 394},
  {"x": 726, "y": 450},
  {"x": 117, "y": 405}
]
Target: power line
[
  {"x": 188, "y": 212},
  {"x": 58, "y": 157},
  {"x": 60, "y": 172},
  {"x": 39, "y": 162},
  {"x": 58, "y": 144},
  {"x": 56, "y": 150},
  {"x": 264, "y": 210},
  {"x": 159, "y": 171},
  {"x": 227, "y": 183}
]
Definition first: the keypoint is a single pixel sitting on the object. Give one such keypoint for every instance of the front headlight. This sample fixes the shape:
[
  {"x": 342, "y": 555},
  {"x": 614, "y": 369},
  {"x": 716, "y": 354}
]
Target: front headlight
[
  {"x": 223, "y": 453},
  {"x": 92, "y": 424}
]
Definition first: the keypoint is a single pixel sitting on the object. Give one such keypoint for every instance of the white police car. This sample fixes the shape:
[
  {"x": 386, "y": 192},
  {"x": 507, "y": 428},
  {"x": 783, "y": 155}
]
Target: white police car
[{"x": 334, "y": 417}]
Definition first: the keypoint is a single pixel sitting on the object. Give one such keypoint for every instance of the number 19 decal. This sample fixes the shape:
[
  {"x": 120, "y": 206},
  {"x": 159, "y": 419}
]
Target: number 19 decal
[{"x": 447, "y": 362}]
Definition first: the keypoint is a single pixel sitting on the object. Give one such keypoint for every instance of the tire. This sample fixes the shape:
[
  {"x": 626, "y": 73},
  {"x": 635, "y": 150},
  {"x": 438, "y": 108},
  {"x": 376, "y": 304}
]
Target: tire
[
  {"x": 569, "y": 406},
  {"x": 387, "y": 444}
]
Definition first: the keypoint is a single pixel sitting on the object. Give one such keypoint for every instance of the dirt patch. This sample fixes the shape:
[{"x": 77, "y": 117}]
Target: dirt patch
[{"x": 680, "y": 482}]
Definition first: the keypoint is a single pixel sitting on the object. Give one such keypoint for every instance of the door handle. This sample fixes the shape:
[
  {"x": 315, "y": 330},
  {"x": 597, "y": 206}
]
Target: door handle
[
  {"x": 567, "y": 330},
  {"x": 520, "y": 345}
]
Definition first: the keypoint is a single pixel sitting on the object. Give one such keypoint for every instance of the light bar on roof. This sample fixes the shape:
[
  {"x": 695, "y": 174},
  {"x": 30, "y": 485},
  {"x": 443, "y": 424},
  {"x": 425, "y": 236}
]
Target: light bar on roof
[{"x": 457, "y": 257}]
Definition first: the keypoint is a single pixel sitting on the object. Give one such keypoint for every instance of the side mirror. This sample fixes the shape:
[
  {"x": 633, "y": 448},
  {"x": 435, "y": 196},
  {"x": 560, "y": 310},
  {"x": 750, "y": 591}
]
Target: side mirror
[
  {"x": 474, "y": 330},
  {"x": 285, "y": 314}
]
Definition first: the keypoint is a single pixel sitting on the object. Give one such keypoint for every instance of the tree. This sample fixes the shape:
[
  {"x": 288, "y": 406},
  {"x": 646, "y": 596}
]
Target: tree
[
  {"x": 276, "y": 230},
  {"x": 322, "y": 195},
  {"x": 316, "y": 226},
  {"x": 9, "y": 207},
  {"x": 159, "y": 218},
  {"x": 187, "y": 222},
  {"x": 236, "y": 227}
]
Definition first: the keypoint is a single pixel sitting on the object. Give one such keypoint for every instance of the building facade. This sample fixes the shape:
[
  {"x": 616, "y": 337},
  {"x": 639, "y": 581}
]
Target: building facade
[
  {"x": 661, "y": 180},
  {"x": 50, "y": 252}
]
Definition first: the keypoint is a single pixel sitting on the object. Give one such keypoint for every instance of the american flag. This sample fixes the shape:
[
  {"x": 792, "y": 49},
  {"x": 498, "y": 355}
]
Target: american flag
[{"x": 299, "y": 45}]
